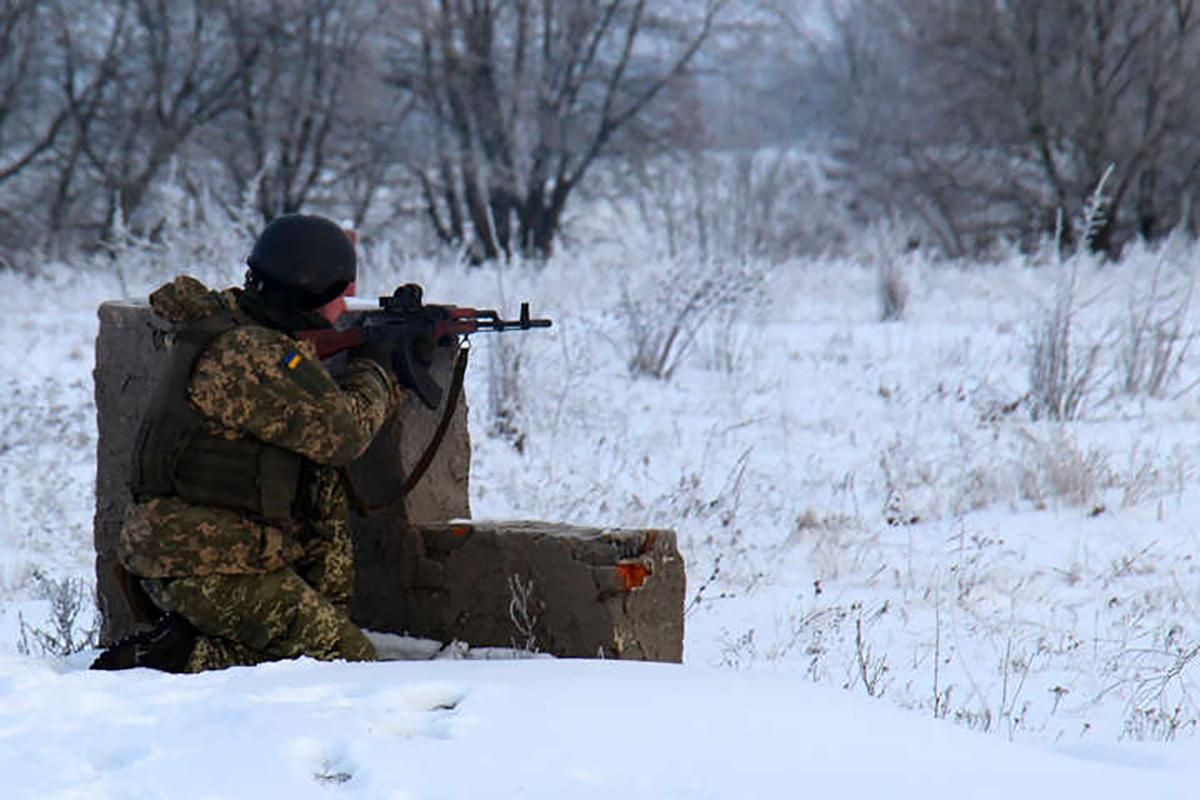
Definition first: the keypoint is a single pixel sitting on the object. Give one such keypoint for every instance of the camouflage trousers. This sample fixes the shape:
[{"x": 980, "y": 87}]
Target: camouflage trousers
[{"x": 249, "y": 619}]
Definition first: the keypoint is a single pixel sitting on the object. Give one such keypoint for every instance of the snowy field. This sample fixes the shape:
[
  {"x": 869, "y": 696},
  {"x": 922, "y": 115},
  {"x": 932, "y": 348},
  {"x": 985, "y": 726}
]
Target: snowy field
[
  {"x": 905, "y": 579},
  {"x": 543, "y": 729}
]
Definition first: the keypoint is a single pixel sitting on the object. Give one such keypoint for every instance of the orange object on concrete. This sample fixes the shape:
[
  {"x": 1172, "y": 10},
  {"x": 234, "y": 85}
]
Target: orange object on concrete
[{"x": 634, "y": 573}]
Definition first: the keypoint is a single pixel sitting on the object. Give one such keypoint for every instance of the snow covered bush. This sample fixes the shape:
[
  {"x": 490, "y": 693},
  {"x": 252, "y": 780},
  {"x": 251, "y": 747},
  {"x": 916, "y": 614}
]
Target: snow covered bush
[
  {"x": 1063, "y": 372},
  {"x": 72, "y": 624},
  {"x": 661, "y": 316},
  {"x": 1054, "y": 466},
  {"x": 1157, "y": 335},
  {"x": 726, "y": 343},
  {"x": 506, "y": 355},
  {"x": 893, "y": 291},
  {"x": 894, "y": 249},
  {"x": 194, "y": 236}
]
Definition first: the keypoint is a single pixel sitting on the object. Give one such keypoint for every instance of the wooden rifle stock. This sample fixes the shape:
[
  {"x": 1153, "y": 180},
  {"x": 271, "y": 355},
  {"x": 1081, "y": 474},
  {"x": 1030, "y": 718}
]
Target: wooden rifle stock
[{"x": 330, "y": 342}]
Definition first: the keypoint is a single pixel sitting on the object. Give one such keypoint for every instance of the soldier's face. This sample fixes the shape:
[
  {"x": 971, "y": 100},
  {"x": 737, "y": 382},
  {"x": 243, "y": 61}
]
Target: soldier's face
[{"x": 334, "y": 309}]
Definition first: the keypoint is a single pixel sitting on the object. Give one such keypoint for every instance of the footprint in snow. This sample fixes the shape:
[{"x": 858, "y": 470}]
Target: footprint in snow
[
  {"x": 422, "y": 709},
  {"x": 326, "y": 763},
  {"x": 431, "y": 696}
]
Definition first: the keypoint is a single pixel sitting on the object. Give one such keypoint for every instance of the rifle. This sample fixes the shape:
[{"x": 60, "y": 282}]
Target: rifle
[{"x": 412, "y": 328}]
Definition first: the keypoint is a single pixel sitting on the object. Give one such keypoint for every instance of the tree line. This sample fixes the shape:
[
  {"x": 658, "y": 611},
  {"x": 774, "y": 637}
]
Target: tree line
[
  {"x": 1011, "y": 119},
  {"x": 985, "y": 121},
  {"x": 490, "y": 112}
]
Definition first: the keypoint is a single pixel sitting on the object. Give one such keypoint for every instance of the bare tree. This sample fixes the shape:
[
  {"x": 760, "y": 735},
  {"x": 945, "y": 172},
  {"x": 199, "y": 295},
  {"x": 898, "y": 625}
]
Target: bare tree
[
  {"x": 993, "y": 119},
  {"x": 296, "y": 103},
  {"x": 313, "y": 112},
  {"x": 32, "y": 119},
  {"x": 163, "y": 70},
  {"x": 520, "y": 98},
  {"x": 29, "y": 124}
]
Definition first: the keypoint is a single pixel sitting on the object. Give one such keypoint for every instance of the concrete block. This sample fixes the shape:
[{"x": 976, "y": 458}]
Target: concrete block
[{"x": 565, "y": 590}]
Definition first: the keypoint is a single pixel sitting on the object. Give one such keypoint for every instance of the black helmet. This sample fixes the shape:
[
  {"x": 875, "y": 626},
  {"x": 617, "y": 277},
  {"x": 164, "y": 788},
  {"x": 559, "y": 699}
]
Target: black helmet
[{"x": 303, "y": 259}]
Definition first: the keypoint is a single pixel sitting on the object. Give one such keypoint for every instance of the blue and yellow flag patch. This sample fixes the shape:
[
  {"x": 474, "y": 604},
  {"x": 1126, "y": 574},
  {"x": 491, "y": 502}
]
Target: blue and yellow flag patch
[{"x": 306, "y": 373}]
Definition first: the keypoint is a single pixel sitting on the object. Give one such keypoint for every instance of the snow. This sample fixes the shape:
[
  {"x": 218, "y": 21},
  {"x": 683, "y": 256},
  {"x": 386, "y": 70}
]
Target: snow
[
  {"x": 517, "y": 729},
  {"x": 1029, "y": 624}
]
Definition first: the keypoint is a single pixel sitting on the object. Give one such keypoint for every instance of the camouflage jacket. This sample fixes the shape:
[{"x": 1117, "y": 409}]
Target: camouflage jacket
[{"x": 257, "y": 382}]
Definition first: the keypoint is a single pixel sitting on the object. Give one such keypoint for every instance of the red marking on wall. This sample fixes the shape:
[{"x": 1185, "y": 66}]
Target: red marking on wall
[
  {"x": 461, "y": 530},
  {"x": 633, "y": 573}
]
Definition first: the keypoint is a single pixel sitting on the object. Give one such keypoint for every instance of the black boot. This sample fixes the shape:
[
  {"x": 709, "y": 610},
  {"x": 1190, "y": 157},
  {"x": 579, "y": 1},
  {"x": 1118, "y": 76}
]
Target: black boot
[{"x": 164, "y": 647}]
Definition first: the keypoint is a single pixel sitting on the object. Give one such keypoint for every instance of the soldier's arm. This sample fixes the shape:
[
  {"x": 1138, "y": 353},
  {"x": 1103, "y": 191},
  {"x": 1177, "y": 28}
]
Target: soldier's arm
[{"x": 257, "y": 381}]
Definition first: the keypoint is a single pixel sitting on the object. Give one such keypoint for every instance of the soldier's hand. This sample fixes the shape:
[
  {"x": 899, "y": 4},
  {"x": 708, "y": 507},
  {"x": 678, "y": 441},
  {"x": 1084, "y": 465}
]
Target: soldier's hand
[
  {"x": 423, "y": 348},
  {"x": 400, "y": 395},
  {"x": 379, "y": 352}
]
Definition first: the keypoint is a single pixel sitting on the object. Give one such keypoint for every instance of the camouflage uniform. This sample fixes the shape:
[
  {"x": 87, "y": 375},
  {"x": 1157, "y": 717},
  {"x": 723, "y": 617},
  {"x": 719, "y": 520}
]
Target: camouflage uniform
[{"x": 259, "y": 591}]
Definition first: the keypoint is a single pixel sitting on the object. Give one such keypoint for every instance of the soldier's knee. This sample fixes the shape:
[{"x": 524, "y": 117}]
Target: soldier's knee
[
  {"x": 263, "y": 618},
  {"x": 353, "y": 645}
]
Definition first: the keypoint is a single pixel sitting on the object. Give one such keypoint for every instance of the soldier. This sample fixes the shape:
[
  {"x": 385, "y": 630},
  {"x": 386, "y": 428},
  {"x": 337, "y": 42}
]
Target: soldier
[{"x": 239, "y": 530}]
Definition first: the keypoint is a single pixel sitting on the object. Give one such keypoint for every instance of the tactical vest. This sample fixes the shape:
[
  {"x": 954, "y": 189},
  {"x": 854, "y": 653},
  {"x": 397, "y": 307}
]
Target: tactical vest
[{"x": 174, "y": 456}]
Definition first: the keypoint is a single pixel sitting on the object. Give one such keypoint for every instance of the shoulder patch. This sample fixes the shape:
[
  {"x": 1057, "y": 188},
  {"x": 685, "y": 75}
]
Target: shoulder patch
[{"x": 309, "y": 375}]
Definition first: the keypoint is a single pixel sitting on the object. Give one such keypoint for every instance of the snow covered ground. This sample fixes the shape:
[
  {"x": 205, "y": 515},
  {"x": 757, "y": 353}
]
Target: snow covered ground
[
  {"x": 883, "y": 539},
  {"x": 545, "y": 729}
]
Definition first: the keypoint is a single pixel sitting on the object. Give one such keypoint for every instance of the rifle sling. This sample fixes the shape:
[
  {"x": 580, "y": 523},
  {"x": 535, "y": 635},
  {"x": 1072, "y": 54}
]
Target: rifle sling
[
  {"x": 456, "y": 385},
  {"x": 359, "y": 504}
]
